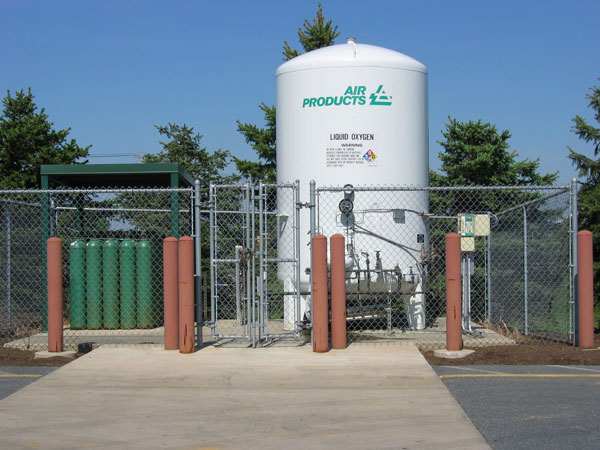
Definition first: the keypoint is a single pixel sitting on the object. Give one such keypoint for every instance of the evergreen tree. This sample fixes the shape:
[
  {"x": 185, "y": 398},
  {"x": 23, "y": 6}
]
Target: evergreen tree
[
  {"x": 27, "y": 140},
  {"x": 589, "y": 195},
  {"x": 320, "y": 33}
]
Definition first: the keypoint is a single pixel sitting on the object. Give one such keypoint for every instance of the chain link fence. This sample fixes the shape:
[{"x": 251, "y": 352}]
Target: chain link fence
[
  {"x": 517, "y": 262},
  {"x": 112, "y": 262}
]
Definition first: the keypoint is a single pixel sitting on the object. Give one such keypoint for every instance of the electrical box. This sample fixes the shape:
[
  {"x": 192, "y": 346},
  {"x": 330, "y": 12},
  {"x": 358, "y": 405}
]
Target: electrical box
[
  {"x": 482, "y": 225},
  {"x": 466, "y": 225},
  {"x": 467, "y": 244}
]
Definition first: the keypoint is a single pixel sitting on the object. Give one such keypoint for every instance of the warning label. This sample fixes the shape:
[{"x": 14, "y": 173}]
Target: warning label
[{"x": 347, "y": 150}]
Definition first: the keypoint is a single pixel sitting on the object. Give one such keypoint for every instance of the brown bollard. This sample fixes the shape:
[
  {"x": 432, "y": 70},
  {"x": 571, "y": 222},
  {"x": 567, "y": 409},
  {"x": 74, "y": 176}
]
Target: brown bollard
[
  {"x": 453, "y": 293},
  {"x": 338, "y": 292},
  {"x": 55, "y": 294},
  {"x": 171, "y": 293},
  {"x": 585, "y": 288},
  {"x": 320, "y": 310},
  {"x": 186, "y": 294}
]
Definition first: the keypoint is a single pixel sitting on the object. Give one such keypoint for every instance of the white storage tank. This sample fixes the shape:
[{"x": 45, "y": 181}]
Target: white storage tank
[{"x": 357, "y": 114}]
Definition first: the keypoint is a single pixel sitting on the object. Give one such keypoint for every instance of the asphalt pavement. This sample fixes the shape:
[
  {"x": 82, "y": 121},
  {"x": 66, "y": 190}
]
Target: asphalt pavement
[
  {"x": 530, "y": 407},
  {"x": 14, "y": 378}
]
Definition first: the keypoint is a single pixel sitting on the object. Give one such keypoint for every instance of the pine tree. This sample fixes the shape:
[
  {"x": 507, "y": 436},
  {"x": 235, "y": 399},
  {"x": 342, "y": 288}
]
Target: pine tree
[
  {"x": 27, "y": 140},
  {"x": 589, "y": 195},
  {"x": 320, "y": 33}
]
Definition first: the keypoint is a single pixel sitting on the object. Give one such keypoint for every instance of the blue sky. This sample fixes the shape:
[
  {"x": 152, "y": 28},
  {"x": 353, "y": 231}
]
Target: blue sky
[{"x": 111, "y": 70}]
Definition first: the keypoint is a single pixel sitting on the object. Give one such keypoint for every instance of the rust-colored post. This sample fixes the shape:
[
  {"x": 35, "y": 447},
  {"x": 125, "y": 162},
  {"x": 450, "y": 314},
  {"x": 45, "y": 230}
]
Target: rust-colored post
[
  {"x": 338, "y": 292},
  {"x": 320, "y": 293},
  {"x": 453, "y": 293},
  {"x": 585, "y": 288},
  {"x": 55, "y": 294},
  {"x": 171, "y": 293},
  {"x": 186, "y": 294}
]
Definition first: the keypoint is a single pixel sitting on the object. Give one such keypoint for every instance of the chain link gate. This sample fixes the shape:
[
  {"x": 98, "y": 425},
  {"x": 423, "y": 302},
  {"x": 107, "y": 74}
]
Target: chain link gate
[{"x": 254, "y": 263}]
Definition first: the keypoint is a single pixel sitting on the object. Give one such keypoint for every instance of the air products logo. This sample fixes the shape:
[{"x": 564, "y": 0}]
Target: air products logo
[{"x": 354, "y": 95}]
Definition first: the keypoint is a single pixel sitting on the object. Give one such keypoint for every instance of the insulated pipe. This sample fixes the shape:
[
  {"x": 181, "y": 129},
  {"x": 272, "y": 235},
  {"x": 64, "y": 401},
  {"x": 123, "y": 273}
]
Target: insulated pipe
[
  {"x": 585, "y": 288},
  {"x": 171, "y": 293},
  {"x": 338, "y": 292},
  {"x": 55, "y": 294},
  {"x": 186, "y": 294},
  {"x": 453, "y": 291},
  {"x": 320, "y": 308}
]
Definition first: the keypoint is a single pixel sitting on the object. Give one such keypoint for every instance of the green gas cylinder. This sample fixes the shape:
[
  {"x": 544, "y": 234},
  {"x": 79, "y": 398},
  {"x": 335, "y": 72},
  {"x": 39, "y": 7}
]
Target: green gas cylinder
[
  {"x": 93, "y": 278},
  {"x": 127, "y": 283},
  {"x": 145, "y": 310},
  {"x": 110, "y": 283},
  {"x": 77, "y": 284}
]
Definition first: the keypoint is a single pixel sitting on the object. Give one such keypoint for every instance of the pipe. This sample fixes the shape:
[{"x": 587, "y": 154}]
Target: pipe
[
  {"x": 186, "y": 294},
  {"x": 55, "y": 294},
  {"x": 585, "y": 288},
  {"x": 320, "y": 314},
  {"x": 338, "y": 292},
  {"x": 453, "y": 293},
  {"x": 171, "y": 293}
]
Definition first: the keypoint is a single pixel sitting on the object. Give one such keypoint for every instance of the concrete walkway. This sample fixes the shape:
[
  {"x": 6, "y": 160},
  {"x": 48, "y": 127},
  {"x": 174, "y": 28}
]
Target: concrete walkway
[{"x": 231, "y": 398}]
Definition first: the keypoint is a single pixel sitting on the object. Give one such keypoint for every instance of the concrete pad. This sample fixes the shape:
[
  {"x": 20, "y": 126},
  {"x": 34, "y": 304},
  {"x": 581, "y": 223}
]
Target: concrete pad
[
  {"x": 44, "y": 354},
  {"x": 269, "y": 398},
  {"x": 452, "y": 354}
]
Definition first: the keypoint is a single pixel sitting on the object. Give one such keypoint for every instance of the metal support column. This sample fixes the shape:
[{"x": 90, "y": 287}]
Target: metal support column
[
  {"x": 45, "y": 236},
  {"x": 262, "y": 299},
  {"x": 313, "y": 232},
  {"x": 250, "y": 265},
  {"x": 213, "y": 288},
  {"x": 525, "y": 272},
  {"x": 198, "y": 264},
  {"x": 574, "y": 310}
]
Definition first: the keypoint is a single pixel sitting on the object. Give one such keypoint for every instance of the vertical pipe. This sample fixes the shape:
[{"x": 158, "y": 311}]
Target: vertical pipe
[
  {"x": 453, "y": 293},
  {"x": 313, "y": 231},
  {"x": 249, "y": 263},
  {"x": 585, "y": 288},
  {"x": 186, "y": 294},
  {"x": 320, "y": 310},
  {"x": 489, "y": 275},
  {"x": 171, "y": 292},
  {"x": 262, "y": 299},
  {"x": 198, "y": 264},
  {"x": 8, "y": 263},
  {"x": 55, "y": 294},
  {"x": 574, "y": 230},
  {"x": 338, "y": 292},
  {"x": 211, "y": 259},
  {"x": 238, "y": 293},
  {"x": 93, "y": 283},
  {"x": 525, "y": 271},
  {"x": 297, "y": 254}
]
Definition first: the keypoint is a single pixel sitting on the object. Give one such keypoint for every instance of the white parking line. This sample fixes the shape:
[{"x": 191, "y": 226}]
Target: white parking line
[
  {"x": 474, "y": 370},
  {"x": 577, "y": 368}
]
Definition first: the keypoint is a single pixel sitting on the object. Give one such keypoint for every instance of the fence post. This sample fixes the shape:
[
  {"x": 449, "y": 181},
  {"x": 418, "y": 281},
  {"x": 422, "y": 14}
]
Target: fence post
[
  {"x": 453, "y": 293},
  {"x": 198, "y": 265},
  {"x": 320, "y": 312},
  {"x": 338, "y": 292},
  {"x": 585, "y": 288},
  {"x": 574, "y": 229},
  {"x": 8, "y": 264},
  {"x": 171, "y": 293},
  {"x": 55, "y": 294},
  {"x": 525, "y": 271},
  {"x": 186, "y": 294}
]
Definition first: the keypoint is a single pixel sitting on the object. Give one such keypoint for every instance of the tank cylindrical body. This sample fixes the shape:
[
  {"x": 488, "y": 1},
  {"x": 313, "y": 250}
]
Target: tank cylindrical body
[
  {"x": 127, "y": 284},
  {"x": 93, "y": 273},
  {"x": 110, "y": 283},
  {"x": 77, "y": 284},
  {"x": 356, "y": 114},
  {"x": 145, "y": 305}
]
